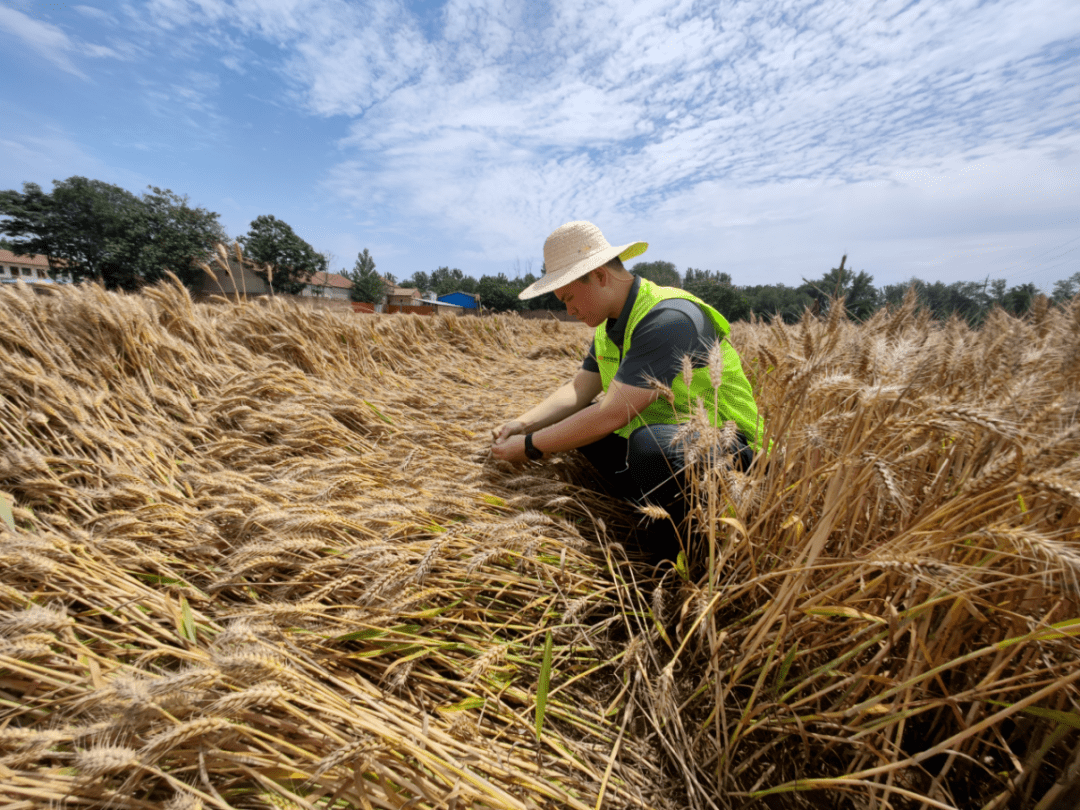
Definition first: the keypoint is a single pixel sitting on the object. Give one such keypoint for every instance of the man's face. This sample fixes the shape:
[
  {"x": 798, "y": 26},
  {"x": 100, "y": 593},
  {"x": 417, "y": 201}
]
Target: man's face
[{"x": 580, "y": 298}]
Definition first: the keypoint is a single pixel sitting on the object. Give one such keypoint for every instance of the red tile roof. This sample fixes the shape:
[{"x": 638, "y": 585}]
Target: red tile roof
[
  {"x": 33, "y": 261},
  {"x": 321, "y": 279}
]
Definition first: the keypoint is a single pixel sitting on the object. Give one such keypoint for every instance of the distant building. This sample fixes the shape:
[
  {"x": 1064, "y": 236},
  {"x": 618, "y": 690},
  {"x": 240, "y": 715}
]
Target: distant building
[
  {"x": 444, "y": 308},
  {"x": 328, "y": 285},
  {"x": 31, "y": 269},
  {"x": 403, "y": 296},
  {"x": 462, "y": 299},
  {"x": 238, "y": 280}
]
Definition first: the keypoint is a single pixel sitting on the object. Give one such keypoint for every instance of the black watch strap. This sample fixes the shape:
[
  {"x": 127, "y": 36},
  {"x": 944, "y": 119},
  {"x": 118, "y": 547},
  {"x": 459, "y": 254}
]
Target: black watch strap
[{"x": 531, "y": 450}]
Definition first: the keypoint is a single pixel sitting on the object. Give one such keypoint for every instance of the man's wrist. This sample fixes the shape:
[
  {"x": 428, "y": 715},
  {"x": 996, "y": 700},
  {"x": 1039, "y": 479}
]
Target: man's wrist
[{"x": 531, "y": 450}]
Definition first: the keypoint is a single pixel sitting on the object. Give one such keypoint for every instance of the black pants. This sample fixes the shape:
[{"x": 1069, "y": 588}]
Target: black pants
[{"x": 649, "y": 468}]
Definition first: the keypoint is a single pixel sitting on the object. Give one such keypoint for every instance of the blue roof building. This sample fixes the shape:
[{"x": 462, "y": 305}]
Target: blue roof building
[{"x": 462, "y": 299}]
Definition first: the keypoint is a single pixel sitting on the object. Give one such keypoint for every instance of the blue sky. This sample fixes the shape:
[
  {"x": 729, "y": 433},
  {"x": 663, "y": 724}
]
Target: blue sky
[{"x": 765, "y": 139}]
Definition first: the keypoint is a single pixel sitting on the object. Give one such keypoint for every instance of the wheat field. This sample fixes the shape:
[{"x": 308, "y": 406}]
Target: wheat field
[{"x": 257, "y": 555}]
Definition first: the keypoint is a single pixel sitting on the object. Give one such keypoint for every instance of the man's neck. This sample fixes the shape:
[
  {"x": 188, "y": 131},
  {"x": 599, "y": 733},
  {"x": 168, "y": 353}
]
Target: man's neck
[{"x": 620, "y": 292}]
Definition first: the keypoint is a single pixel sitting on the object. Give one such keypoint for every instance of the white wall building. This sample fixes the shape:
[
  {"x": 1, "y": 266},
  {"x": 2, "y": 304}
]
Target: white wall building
[
  {"x": 31, "y": 269},
  {"x": 328, "y": 285}
]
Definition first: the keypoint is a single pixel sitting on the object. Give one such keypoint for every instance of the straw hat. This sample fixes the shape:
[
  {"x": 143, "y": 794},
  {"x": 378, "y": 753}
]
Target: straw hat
[{"x": 573, "y": 250}]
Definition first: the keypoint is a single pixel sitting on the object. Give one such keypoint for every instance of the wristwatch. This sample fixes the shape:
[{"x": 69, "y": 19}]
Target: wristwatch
[{"x": 531, "y": 450}]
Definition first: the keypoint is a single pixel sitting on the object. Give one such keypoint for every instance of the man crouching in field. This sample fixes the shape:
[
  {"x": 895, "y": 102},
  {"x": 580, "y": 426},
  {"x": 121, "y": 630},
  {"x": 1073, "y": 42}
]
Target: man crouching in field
[{"x": 643, "y": 331}]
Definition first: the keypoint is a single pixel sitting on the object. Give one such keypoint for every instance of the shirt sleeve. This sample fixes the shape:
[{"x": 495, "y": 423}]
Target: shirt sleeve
[
  {"x": 589, "y": 363},
  {"x": 666, "y": 333}
]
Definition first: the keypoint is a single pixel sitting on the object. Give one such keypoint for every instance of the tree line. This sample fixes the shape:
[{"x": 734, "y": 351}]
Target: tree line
[
  {"x": 92, "y": 230},
  {"x": 969, "y": 300},
  {"x": 95, "y": 231}
]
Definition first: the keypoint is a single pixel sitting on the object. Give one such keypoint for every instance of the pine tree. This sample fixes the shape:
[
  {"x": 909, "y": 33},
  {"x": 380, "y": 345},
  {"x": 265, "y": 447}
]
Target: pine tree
[{"x": 367, "y": 285}]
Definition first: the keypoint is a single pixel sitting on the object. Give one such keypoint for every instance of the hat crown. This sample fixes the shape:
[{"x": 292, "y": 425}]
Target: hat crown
[
  {"x": 572, "y": 243},
  {"x": 573, "y": 250}
]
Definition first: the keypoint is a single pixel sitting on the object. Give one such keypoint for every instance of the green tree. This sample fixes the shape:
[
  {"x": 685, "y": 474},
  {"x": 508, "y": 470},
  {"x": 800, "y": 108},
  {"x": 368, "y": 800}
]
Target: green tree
[
  {"x": 892, "y": 295},
  {"x": 445, "y": 280},
  {"x": 716, "y": 290},
  {"x": 500, "y": 293},
  {"x": 174, "y": 237},
  {"x": 964, "y": 299},
  {"x": 776, "y": 301},
  {"x": 857, "y": 289},
  {"x": 997, "y": 291},
  {"x": 26, "y": 220},
  {"x": 419, "y": 281},
  {"x": 291, "y": 260},
  {"x": 367, "y": 285},
  {"x": 94, "y": 230},
  {"x": 81, "y": 225},
  {"x": 546, "y": 300},
  {"x": 970, "y": 300},
  {"x": 1066, "y": 289},
  {"x": 659, "y": 272},
  {"x": 1019, "y": 300}
]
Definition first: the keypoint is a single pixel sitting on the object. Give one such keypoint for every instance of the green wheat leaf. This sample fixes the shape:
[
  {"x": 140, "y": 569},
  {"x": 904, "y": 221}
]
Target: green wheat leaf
[
  {"x": 380, "y": 414},
  {"x": 542, "y": 687},
  {"x": 187, "y": 620}
]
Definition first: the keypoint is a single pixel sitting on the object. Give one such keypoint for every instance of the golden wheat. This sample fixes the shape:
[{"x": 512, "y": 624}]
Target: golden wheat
[{"x": 259, "y": 555}]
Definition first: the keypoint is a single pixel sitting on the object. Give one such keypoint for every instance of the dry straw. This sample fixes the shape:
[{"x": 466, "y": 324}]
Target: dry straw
[{"x": 258, "y": 555}]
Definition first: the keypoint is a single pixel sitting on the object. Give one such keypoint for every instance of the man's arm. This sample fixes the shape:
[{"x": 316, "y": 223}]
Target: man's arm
[
  {"x": 620, "y": 404},
  {"x": 571, "y": 397}
]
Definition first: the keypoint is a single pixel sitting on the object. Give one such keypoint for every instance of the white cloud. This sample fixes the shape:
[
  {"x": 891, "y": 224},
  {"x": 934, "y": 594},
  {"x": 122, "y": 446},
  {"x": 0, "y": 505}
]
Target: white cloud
[
  {"x": 960, "y": 220},
  {"x": 46, "y": 40},
  {"x": 342, "y": 56},
  {"x": 888, "y": 128},
  {"x": 49, "y": 41}
]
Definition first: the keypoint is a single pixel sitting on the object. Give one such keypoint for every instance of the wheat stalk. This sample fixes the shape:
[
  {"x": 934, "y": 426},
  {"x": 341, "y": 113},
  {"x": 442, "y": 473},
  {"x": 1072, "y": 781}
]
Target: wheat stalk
[{"x": 215, "y": 522}]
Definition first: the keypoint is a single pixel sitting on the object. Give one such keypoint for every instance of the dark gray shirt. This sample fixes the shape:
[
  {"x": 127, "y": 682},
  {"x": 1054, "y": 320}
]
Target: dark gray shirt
[{"x": 669, "y": 330}]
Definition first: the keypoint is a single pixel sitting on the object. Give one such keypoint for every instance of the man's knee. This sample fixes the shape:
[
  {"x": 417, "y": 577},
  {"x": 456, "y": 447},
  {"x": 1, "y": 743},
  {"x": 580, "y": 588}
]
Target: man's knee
[
  {"x": 656, "y": 446},
  {"x": 656, "y": 443},
  {"x": 655, "y": 463},
  {"x": 744, "y": 457}
]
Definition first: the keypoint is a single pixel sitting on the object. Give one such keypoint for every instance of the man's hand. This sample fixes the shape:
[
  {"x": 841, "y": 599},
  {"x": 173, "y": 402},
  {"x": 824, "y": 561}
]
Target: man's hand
[
  {"x": 512, "y": 428},
  {"x": 510, "y": 449}
]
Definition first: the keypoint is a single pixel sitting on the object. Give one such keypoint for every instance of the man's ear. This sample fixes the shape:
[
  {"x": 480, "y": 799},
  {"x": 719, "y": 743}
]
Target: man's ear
[{"x": 601, "y": 275}]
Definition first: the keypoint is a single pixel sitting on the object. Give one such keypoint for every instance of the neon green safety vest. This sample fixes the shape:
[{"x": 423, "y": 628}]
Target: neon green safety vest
[{"x": 732, "y": 400}]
